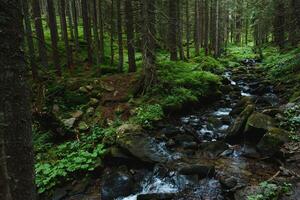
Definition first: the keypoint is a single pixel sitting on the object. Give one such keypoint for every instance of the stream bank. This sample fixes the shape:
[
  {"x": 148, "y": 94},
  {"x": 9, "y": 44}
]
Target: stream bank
[{"x": 218, "y": 152}]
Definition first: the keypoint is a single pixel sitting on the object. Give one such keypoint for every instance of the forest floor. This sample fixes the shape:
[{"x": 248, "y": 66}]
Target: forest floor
[{"x": 127, "y": 146}]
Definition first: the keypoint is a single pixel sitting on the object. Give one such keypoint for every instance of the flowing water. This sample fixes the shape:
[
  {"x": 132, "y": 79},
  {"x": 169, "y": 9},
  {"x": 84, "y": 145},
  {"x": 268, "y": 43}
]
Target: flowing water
[{"x": 210, "y": 127}]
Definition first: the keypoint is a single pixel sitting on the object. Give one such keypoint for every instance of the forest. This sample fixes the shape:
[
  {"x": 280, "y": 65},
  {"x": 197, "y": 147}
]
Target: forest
[{"x": 149, "y": 99}]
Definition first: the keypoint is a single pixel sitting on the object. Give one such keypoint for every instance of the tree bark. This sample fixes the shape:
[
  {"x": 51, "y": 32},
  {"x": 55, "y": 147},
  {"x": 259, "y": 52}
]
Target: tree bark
[
  {"x": 130, "y": 36},
  {"x": 173, "y": 29},
  {"x": 95, "y": 31},
  {"x": 28, "y": 30},
  {"x": 65, "y": 34},
  {"x": 112, "y": 32},
  {"x": 75, "y": 20},
  {"x": 54, "y": 36},
  {"x": 187, "y": 29},
  {"x": 101, "y": 27},
  {"x": 279, "y": 21},
  {"x": 16, "y": 150},
  {"x": 39, "y": 32},
  {"x": 120, "y": 36},
  {"x": 149, "y": 74},
  {"x": 87, "y": 31},
  {"x": 196, "y": 29}
]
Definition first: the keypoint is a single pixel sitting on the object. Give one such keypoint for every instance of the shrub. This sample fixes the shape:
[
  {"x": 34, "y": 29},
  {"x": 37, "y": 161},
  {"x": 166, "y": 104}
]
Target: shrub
[{"x": 210, "y": 64}]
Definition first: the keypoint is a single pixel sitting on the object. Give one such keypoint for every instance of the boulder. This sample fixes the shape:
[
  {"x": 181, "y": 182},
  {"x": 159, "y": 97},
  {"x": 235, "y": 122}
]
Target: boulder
[
  {"x": 257, "y": 126},
  {"x": 241, "y": 105},
  {"x": 213, "y": 148},
  {"x": 83, "y": 90},
  {"x": 117, "y": 184},
  {"x": 201, "y": 170},
  {"x": 135, "y": 141},
  {"x": 272, "y": 141},
  {"x": 235, "y": 131},
  {"x": 69, "y": 123}
]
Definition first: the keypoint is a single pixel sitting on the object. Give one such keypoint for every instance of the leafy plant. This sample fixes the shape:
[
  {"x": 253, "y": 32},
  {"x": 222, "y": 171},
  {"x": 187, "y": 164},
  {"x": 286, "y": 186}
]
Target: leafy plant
[
  {"x": 70, "y": 157},
  {"x": 270, "y": 191},
  {"x": 147, "y": 114}
]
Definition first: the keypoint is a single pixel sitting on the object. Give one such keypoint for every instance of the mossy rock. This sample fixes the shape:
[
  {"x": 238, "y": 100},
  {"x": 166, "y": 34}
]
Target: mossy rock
[
  {"x": 235, "y": 131},
  {"x": 272, "y": 141},
  {"x": 257, "y": 126},
  {"x": 74, "y": 98}
]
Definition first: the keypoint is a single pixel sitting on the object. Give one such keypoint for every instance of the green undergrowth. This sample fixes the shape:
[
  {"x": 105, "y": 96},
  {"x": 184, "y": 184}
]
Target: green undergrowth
[
  {"x": 181, "y": 83},
  {"x": 284, "y": 66},
  {"x": 58, "y": 163},
  {"x": 270, "y": 191},
  {"x": 236, "y": 54}
]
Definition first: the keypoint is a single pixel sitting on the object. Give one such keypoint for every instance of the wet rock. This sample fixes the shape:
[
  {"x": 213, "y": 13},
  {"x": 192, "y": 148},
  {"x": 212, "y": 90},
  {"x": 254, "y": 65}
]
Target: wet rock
[
  {"x": 83, "y": 126},
  {"x": 235, "y": 131},
  {"x": 201, "y": 170},
  {"x": 257, "y": 125},
  {"x": 115, "y": 154},
  {"x": 229, "y": 182},
  {"x": 250, "y": 152},
  {"x": 180, "y": 139},
  {"x": 117, "y": 184},
  {"x": 156, "y": 196},
  {"x": 69, "y": 123},
  {"x": 80, "y": 187},
  {"x": 141, "y": 146},
  {"x": 272, "y": 141},
  {"x": 170, "y": 131},
  {"x": 213, "y": 148},
  {"x": 59, "y": 194},
  {"x": 241, "y": 105},
  {"x": 171, "y": 143},
  {"x": 215, "y": 122},
  {"x": 190, "y": 145},
  {"x": 270, "y": 99}
]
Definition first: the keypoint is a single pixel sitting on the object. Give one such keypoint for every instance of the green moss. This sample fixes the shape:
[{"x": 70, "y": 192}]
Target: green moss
[
  {"x": 210, "y": 64},
  {"x": 75, "y": 98}
]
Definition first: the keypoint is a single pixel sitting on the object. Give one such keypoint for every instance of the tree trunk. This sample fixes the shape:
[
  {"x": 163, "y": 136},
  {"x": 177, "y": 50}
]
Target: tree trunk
[
  {"x": 54, "y": 36},
  {"x": 279, "y": 21},
  {"x": 75, "y": 20},
  {"x": 217, "y": 29},
  {"x": 112, "y": 32},
  {"x": 35, "y": 4},
  {"x": 16, "y": 150},
  {"x": 130, "y": 36},
  {"x": 101, "y": 27},
  {"x": 196, "y": 29},
  {"x": 149, "y": 76},
  {"x": 28, "y": 31},
  {"x": 87, "y": 31},
  {"x": 187, "y": 29},
  {"x": 173, "y": 29},
  {"x": 206, "y": 36},
  {"x": 179, "y": 28},
  {"x": 95, "y": 30},
  {"x": 120, "y": 36},
  {"x": 65, "y": 34},
  {"x": 69, "y": 14}
]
